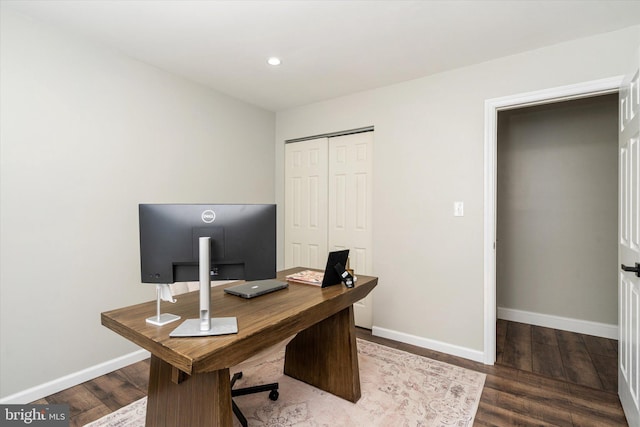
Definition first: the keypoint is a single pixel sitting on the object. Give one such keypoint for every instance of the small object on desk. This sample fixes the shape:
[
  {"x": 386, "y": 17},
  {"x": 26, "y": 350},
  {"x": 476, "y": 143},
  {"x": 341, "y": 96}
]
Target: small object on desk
[
  {"x": 346, "y": 277},
  {"x": 163, "y": 293},
  {"x": 309, "y": 277}
]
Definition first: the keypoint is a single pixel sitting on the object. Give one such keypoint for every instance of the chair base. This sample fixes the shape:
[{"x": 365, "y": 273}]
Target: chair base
[{"x": 271, "y": 388}]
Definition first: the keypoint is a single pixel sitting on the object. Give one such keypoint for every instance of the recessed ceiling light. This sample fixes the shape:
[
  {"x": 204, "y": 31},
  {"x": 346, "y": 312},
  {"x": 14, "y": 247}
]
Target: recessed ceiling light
[{"x": 274, "y": 61}]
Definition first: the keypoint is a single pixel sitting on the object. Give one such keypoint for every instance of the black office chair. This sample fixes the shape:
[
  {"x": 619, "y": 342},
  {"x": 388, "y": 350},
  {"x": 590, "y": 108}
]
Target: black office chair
[{"x": 272, "y": 388}]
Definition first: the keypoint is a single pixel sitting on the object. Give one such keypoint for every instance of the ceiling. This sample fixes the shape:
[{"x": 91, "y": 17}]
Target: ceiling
[{"x": 328, "y": 48}]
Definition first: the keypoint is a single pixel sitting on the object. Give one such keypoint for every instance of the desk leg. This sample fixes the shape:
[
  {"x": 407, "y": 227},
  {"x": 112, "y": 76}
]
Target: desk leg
[
  {"x": 200, "y": 400},
  {"x": 325, "y": 356}
]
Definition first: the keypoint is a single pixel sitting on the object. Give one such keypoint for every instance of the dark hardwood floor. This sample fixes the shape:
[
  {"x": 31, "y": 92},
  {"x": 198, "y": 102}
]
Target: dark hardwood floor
[
  {"x": 574, "y": 358},
  {"x": 531, "y": 385}
]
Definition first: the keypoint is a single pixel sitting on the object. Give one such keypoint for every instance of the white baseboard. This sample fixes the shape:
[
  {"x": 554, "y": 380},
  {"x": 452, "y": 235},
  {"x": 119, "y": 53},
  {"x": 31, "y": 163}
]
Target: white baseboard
[
  {"x": 440, "y": 346},
  {"x": 563, "y": 323},
  {"x": 63, "y": 383}
]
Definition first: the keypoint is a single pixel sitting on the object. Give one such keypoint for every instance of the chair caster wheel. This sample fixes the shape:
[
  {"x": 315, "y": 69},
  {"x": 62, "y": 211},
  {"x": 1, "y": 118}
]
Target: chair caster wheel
[{"x": 273, "y": 395}]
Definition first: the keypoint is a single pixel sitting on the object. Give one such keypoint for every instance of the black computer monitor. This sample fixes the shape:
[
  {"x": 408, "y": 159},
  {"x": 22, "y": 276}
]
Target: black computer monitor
[{"x": 243, "y": 241}]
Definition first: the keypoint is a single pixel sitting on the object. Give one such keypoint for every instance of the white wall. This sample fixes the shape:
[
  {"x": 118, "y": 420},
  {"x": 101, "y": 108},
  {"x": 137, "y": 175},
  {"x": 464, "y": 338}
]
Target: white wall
[
  {"x": 428, "y": 153},
  {"x": 86, "y": 135},
  {"x": 557, "y": 209}
]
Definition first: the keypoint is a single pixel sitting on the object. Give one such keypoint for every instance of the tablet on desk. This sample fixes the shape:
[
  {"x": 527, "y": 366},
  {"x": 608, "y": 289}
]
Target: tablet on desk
[
  {"x": 331, "y": 276},
  {"x": 256, "y": 288}
]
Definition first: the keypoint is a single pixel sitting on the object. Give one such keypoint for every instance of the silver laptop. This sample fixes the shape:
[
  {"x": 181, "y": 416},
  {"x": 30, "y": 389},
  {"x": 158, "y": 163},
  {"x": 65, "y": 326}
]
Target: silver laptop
[{"x": 256, "y": 288}]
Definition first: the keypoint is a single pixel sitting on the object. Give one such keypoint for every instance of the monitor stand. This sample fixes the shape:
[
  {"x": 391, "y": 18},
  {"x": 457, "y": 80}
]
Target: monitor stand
[
  {"x": 162, "y": 319},
  {"x": 205, "y": 326}
]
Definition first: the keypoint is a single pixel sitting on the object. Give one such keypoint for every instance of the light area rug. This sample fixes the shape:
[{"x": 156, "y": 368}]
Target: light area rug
[{"x": 398, "y": 389}]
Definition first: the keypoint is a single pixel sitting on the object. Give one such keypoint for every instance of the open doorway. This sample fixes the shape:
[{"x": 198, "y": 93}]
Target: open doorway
[{"x": 556, "y": 247}]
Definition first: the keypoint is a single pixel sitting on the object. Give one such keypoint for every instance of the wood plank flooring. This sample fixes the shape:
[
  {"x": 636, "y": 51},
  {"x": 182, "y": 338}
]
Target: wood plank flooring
[
  {"x": 519, "y": 395},
  {"x": 101, "y": 396},
  {"x": 574, "y": 358}
]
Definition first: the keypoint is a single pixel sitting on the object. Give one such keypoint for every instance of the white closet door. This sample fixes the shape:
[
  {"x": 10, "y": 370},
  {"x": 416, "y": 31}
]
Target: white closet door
[
  {"x": 350, "y": 207},
  {"x": 306, "y": 177},
  {"x": 328, "y": 191},
  {"x": 629, "y": 246}
]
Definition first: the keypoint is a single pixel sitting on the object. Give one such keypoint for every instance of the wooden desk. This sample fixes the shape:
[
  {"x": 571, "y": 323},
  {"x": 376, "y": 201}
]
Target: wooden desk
[{"x": 189, "y": 379}]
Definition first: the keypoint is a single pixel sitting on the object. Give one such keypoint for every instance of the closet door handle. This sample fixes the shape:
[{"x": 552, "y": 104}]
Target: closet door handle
[{"x": 635, "y": 269}]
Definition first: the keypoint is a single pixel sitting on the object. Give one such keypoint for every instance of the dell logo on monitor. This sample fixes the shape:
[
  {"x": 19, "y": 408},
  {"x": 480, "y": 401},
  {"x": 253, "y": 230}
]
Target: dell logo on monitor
[{"x": 208, "y": 216}]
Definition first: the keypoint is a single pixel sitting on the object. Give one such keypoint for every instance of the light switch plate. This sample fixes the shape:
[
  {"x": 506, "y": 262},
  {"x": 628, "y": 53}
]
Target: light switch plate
[{"x": 458, "y": 208}]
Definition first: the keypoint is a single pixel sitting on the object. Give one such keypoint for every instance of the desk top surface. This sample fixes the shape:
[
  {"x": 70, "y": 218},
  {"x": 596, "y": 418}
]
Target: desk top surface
[{"x": 262, "y": 322}]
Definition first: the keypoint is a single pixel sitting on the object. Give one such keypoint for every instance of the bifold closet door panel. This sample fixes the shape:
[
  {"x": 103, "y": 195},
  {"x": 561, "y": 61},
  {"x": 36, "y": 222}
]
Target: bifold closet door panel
[{"x": 306, "y": 196}]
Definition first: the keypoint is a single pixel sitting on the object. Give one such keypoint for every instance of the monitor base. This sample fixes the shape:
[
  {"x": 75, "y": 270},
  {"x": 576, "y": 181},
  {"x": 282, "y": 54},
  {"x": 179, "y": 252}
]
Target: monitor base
[{"x": 219, "y": 326}]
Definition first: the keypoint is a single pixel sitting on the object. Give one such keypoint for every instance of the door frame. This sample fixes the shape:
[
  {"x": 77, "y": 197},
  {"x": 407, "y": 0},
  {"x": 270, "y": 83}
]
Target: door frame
[{"x": 491, "y": 109}]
